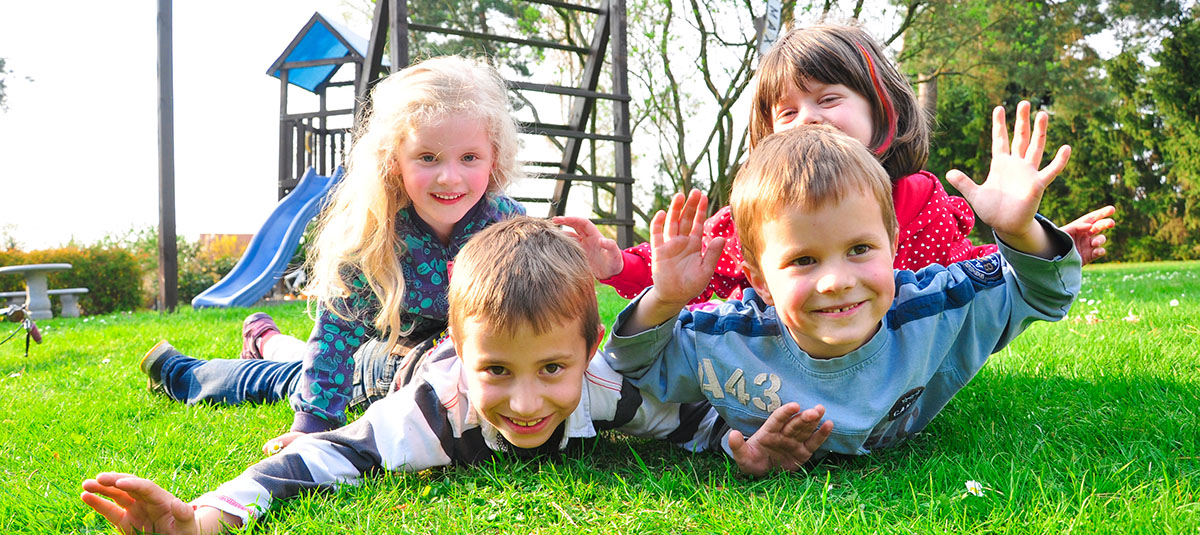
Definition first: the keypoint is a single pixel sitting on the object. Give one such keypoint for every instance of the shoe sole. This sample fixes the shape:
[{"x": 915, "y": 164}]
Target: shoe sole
[{"x": 153, "y": 357}]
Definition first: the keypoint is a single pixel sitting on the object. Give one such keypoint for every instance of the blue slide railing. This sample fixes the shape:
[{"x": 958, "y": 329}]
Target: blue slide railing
[{"x": 272, "y": 247}]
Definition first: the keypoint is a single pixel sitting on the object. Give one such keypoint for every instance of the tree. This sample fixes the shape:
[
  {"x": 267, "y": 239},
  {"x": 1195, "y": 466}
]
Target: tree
[
  {"x": 693, "y": 64},
  {"x": 982, "y": 53},
  {"x": 1172, "y": 85}
]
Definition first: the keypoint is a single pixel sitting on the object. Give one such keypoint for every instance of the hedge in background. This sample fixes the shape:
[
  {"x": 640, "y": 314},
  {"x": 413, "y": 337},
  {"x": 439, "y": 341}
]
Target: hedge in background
[{"x": 112, "y": 276}]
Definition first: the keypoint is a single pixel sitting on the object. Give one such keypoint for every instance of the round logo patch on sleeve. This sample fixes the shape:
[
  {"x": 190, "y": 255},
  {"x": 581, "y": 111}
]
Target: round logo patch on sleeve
[{"x": 985, "y": 271}]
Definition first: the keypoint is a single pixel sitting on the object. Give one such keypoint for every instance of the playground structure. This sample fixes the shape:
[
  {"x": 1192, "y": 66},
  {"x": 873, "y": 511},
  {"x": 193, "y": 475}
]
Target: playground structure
[
  {"x": 394, "y": 18},
  {"x": 318, "y": 140},
  {"x": 267, "y": 256}
]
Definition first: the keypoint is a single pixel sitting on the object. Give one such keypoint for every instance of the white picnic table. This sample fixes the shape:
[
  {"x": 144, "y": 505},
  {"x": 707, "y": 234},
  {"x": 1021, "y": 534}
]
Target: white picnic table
[{"x": 37, "y": 300}]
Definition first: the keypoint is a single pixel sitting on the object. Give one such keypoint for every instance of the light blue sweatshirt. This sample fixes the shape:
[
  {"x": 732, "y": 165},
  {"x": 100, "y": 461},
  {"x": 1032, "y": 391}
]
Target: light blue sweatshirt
[{"x": 941, "y": 328}]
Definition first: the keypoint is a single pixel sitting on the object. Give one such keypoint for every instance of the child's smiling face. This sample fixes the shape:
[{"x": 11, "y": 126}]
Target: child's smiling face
[
  {"x": 524, "y": 383},
  {"x": 828, "y": 272},
  {"x": 830, "y": 104},
  {"x": 446, "y": 167}
]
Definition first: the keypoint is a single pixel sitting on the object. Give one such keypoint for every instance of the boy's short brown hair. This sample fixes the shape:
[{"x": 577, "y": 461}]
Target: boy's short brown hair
[
  {"x": 804, "y": 167},
  {"x": 523, "y": 271}
]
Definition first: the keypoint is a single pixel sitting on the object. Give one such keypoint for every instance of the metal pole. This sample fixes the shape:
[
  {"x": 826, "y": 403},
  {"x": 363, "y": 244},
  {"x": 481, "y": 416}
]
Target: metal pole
[{"x": 168, "y": 256}]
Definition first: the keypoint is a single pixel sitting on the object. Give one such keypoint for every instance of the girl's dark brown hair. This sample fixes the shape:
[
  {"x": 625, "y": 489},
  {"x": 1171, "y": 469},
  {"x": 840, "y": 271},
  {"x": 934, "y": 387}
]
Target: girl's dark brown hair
[{"x": 846, "y": 55}]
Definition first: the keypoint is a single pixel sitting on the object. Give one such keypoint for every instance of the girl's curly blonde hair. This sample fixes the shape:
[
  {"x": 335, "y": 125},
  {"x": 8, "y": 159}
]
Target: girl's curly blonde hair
[{"x": 357, "y": 229}]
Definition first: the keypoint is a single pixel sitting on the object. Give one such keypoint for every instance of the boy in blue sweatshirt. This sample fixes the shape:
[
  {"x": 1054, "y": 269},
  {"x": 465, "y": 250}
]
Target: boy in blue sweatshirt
[{"x": 828, "y": 320}]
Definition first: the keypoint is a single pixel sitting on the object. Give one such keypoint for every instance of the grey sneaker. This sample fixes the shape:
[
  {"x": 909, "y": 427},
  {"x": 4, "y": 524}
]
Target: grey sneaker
[{"x": 152, "y": 365}]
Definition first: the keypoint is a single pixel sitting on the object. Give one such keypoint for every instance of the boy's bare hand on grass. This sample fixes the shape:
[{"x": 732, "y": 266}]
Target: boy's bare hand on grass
[
  {"x": 140, "y": 506},
  {"x": 786, "y": 441},
  {"x": 604, "y": 257},
  {"x": 1087, "y": 232}
]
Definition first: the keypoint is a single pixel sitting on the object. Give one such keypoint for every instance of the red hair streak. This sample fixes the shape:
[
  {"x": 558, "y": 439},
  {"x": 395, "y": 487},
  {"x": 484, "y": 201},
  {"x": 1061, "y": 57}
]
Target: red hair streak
[{"x": 889, "y": 111}]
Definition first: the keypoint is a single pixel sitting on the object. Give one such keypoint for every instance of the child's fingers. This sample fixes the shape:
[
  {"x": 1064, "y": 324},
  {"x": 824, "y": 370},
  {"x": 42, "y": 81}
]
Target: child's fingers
[
  {"x": 700, "y": 215},
  {"x": 999, "y": 132},
  {"x": 779, "y": 419},
  {"x": 111, "y": 512},
  {"x": 581, "y": 226},
  {"x": 818, "y": 438},
  {"x": 1020, "y": 142},
  {"x": 688, "y": 216},
  {"x": 962, "y": 183},
  {"x": 1038, "y": 143},
  {"x": 1047, "y": 174},
  {"x": 1100, "y": 218},
  {"x": 712, "y": 255},
  {"x": 144, "y": 490},
  {"x": 183, "y": 513},
  {"x": 673, "y": 212},
  {"x": 737, "y": 441},
  {"x": 805, "y": 423},
  {"x": 656, "y": 228},
  {"x": 117, "y": 495}
]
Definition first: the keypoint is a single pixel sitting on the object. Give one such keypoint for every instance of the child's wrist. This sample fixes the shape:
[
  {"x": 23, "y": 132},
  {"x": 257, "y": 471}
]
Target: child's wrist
[
  {"x": 665, "y": 305},
  {"x": 209, "y": 519}
]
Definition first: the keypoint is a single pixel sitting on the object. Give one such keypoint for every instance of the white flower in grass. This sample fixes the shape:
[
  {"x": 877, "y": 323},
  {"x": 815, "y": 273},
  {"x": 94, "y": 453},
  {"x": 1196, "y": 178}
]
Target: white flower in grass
[
  {"x": 975, "y": 488},
  {"x": 105, "y": 361},
  {"x": 1174, "y": 302},
  {"x": 14, "y": 375},
  {"x": 1131, "y": 317}
]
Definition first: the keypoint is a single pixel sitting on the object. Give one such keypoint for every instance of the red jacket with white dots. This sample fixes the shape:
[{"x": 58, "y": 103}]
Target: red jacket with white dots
[{"x": 933, "y": 228}]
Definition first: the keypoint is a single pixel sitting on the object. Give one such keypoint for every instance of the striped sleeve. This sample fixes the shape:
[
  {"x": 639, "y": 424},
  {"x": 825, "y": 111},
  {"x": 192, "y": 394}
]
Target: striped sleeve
[
  {"x": 413, "y": 429},
  {"x": 615, "y": 403}
]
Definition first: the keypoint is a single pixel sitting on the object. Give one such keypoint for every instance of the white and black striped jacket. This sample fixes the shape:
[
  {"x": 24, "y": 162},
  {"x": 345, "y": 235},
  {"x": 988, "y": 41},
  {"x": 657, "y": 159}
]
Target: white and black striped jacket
[{"x": 430, "y": 422}]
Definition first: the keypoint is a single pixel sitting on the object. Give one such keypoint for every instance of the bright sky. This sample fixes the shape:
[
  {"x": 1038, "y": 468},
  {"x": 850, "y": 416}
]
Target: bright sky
[{"x": 79, "y": 145}]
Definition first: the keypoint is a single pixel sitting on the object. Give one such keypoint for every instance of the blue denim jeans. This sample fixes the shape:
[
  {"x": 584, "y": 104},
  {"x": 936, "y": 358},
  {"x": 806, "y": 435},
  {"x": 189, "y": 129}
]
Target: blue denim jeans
[{"x": 233, "y": 381}]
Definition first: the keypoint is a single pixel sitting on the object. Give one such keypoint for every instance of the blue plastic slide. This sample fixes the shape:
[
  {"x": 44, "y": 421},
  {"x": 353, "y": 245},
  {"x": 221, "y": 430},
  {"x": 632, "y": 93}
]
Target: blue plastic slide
[{"x": 268, "y": 254}]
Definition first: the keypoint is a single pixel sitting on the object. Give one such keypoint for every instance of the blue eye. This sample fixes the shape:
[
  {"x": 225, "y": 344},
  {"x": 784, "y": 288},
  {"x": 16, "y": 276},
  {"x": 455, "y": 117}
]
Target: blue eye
[
  {"x": 427, "y": 158},
  {"x": 470, "y": 158}
]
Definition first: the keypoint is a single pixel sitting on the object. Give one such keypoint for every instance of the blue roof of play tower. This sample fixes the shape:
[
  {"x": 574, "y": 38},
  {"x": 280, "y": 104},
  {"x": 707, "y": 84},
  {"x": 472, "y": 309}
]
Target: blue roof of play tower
[{"x": 321, "y": 39}]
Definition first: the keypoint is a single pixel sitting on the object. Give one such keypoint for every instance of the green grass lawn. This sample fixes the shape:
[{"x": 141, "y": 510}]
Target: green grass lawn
[{"x": 1090, "y": 425}]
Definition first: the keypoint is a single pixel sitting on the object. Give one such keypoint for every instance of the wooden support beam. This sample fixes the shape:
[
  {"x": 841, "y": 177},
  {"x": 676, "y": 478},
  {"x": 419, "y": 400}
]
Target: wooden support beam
[
  {"x": 581, "y": 107},
  {"x": 622, "y": 155},
  {"x": 561, "y": 90},
  {"x": 566, "y": 5},
  {"x": 168, "y": 255},
  {"x": 538, "y": 43}
]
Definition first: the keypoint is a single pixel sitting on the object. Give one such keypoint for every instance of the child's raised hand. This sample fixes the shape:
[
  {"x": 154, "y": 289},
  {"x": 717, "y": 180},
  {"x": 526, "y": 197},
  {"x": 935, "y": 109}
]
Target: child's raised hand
[
  {"x": 787, "y": 440},
  {"x": 679, "y": 263},
  {"x": 1087, "y": 232},
  {"x": 140, "y": 506},
  {"x": 604, "y": 257},
  {"x": 1010, "y": 196}
]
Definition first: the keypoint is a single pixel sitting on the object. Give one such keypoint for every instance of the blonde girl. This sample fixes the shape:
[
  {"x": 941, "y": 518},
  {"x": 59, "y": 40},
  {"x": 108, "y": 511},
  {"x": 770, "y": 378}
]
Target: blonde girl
[{"x": 427, "y": 170}]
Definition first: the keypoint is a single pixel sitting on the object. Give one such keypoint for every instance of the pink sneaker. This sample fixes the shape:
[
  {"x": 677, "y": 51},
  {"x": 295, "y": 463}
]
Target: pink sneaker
[{"x": 253, "y": 328}]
